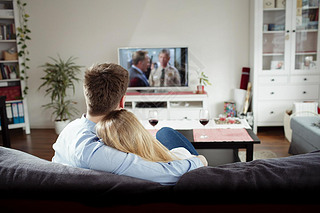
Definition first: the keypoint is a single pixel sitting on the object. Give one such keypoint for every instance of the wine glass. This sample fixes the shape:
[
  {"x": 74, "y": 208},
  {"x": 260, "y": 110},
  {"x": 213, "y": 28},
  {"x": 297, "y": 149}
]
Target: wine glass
[
  {"x": 204, "y": 120},
  {"x": 153, "y": 118}
]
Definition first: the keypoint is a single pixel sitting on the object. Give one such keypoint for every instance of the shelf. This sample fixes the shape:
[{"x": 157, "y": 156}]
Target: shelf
[
  {"x": 6, "y": 80},
  {"x": 306, "y": 53},
  {"x": 307, "y": 31},
  {"x": 308, "y": 8},
  {"x": 273, "y": 32},
  {"x": 273, "y": 54},
  {"x": 8, "y": 61},
  {"x": 9, "y": 18},
  {"x": 173, "y": 105},
  {"x": 14, "y": 126},
  {"x": 273, "y": 9},
  {"x": 8, "y": 41},
  {"x": 14, "y": 101}
]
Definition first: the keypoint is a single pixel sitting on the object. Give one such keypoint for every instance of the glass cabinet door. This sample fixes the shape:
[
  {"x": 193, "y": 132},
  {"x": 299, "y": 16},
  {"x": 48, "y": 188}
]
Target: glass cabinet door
[
  {"x": 274, "y": 36},
  {"x": 306, "y": 38}
]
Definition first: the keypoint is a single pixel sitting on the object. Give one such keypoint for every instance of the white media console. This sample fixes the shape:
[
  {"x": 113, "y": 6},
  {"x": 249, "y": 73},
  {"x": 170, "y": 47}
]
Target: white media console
[{"x": 170, "y": 106}]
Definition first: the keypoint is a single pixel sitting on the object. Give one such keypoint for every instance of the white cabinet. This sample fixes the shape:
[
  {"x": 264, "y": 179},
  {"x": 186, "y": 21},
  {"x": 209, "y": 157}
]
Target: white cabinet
[
  {"x": 284, "y": 56},
  {"x": 170, "y": 106}
]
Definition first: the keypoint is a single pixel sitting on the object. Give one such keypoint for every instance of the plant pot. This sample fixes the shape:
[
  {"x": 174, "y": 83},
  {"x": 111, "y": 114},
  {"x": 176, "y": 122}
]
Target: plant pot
[
  {"x": 200, "y": 89},
  {"x": 60, "y": 125}
]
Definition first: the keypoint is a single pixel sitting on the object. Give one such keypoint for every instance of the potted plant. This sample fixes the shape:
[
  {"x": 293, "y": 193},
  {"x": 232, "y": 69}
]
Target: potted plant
[
  {"x": 60, "y": 77},
  {"x": 203, "y": 81}
]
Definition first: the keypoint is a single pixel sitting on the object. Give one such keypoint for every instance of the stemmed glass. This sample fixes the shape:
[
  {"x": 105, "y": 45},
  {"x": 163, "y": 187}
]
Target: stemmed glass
[
  {"x": 204, "y": 120},
  {"x": 153, "y": 118}
]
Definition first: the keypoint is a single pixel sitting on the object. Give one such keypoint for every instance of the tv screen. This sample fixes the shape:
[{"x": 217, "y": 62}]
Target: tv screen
[{"x": 155, "y": 67}]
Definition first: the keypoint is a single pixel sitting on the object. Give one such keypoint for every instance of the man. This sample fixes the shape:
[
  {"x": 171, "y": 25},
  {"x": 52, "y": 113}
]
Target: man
[
  {"x": 165, "y": 74},
  {"x": 104, "y": 89},
  {"x": 140, "y": 64}
]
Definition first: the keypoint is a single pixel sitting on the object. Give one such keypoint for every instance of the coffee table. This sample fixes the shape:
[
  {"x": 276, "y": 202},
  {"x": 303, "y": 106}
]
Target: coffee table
[
  {"x": 248, "y": 145},
  {"x": 186, "y": 127}
]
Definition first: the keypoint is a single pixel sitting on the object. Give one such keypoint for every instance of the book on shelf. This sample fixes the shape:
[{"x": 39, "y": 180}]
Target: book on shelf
[
  {"x": 7, "y": 32},
  {"x": 10, "y": 89},
  {"x": 15, "y": 112},
  {"x": 8, "y": 71}
]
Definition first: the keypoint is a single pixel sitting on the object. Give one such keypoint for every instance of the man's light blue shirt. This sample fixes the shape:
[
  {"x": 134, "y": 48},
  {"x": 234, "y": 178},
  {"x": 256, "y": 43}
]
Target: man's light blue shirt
[{"x": 79, "y": 146}]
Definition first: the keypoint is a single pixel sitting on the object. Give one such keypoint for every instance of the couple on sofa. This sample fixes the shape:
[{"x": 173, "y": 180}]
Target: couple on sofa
[{"x": 109, "y": 138}]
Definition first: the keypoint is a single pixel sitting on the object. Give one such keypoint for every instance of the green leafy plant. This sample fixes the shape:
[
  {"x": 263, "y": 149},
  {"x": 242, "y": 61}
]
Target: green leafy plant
[
  {"x": 23, "y": 36},
  {"x": 60, "y": 77},
  {"x": 203, "y": 79}
]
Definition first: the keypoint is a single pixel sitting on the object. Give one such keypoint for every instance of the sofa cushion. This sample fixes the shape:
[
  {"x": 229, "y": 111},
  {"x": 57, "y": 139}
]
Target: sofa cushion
[
  {"x": 24, "y": 175},
  {"x": 296, "y": 178}
]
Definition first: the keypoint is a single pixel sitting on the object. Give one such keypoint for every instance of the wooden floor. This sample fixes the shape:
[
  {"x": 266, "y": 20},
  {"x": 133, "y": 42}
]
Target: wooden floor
[{"x": 40, "y": 141}]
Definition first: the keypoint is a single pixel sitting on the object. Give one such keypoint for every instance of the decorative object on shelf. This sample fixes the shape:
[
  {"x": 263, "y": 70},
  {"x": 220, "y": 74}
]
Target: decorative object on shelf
[
  {"x": 23, "y": 37},
  {"x": 268, "y": 4},
  {"x": 280, "y": 4},
  {"x": 60, "y": 76},
  {"x": 230, "y": 109},
  {"x": 203, "y": 81},
  {"x": 224, "y": 120},
  {"x": 10, "y": 54}
]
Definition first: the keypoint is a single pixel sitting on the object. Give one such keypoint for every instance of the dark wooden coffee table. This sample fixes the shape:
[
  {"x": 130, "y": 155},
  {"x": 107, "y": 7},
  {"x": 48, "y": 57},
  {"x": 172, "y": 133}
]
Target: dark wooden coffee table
[{"x": 248, "y": 145}]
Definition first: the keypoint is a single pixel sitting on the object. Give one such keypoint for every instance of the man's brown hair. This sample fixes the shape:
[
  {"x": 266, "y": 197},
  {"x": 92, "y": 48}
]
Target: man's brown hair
[
  {"x": 104, "y": 86},
  {"x": 139, "y": 55}
]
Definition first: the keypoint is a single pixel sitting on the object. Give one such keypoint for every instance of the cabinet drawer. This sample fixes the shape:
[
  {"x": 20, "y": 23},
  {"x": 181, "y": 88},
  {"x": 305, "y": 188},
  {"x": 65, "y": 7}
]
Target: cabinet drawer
[
  {"x": 305, "y": 79},
  {"x": 176, "y": 114},
  {"x": 273, "y": 92},
  {"x": 307, "y": 92},
  {"x": 269, "y": 112},
  {"x": 143, "y": 113},
  {"x": 273, "y": 79}
]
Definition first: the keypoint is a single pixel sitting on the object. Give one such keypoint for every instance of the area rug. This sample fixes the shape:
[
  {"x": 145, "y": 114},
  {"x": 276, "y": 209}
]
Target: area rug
[{"x": 262, "y": 154}]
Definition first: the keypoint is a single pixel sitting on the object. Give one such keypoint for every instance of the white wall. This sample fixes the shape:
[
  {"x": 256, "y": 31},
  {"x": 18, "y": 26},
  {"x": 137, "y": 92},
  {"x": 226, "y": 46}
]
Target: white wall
[{"x": 216, "y": 32}]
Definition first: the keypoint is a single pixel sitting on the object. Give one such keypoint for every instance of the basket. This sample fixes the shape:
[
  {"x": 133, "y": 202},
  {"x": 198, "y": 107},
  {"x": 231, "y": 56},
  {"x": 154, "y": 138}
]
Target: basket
[
  {"x": 9, "y": 56},
  {"x": 299, "y": 109}
]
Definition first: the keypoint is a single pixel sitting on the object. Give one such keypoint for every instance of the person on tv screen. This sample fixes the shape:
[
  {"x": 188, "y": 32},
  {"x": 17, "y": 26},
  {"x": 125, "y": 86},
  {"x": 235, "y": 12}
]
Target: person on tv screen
[
  {"x": 140, "y": 64},
  {"x": 165, "y": 75}
]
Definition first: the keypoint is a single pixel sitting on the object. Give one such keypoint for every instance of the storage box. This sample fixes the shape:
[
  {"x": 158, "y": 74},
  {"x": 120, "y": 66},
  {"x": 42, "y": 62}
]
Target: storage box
[
  {"x": 280, "y": 3},
  {"x": 268, "y": 4},
  {"x": 9, "y": 56},
  {"x": 11, "y": 93},
  {"x": 5, "y": 13}
]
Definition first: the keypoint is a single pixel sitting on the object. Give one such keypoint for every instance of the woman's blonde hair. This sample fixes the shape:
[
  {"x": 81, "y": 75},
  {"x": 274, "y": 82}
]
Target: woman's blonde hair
[{"x": 122, "y": 130}]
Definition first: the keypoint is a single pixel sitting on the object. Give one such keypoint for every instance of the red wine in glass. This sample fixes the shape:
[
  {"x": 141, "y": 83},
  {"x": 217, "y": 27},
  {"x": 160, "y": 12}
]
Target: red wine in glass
[
  {"x": 153, "y": 118},
  {"x": 204, "y": 121},
  {"x": 153, "y": 122}
]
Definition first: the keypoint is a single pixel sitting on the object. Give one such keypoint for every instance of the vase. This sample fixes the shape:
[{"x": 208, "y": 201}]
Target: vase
[
  {"x": 60, "y": 125},
  {"x": 200, "y": 89}
]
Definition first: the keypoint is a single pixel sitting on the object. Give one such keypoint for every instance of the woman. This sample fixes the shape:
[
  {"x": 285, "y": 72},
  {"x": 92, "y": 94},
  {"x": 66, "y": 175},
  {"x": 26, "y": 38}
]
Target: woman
[{"x": 122, "y": 130}]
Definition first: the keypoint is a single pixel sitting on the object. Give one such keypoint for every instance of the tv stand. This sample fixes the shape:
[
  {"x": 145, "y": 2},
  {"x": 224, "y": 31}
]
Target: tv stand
[{"x": 170, "y": 105}]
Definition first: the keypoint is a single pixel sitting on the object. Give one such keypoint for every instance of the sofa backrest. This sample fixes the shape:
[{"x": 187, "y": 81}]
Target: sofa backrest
[
  {"x": 295, "y": 178},
  {"x": 26, "y": 175}
]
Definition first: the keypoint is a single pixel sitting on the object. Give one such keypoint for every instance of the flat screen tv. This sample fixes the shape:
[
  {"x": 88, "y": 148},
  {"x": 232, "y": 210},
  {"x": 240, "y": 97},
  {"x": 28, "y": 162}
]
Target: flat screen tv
[{"x": 166, "y": 69}]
